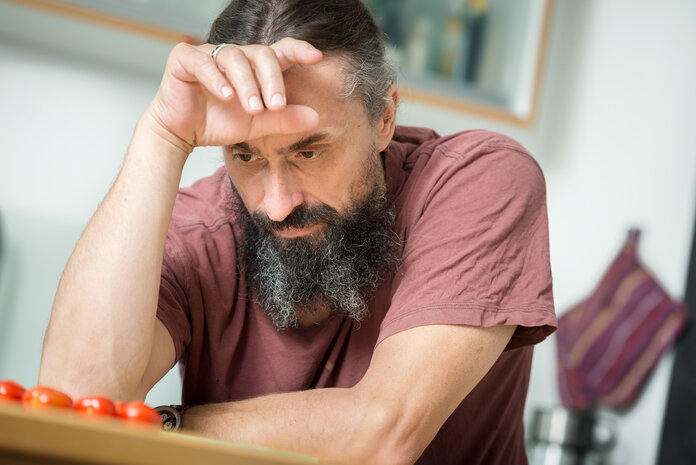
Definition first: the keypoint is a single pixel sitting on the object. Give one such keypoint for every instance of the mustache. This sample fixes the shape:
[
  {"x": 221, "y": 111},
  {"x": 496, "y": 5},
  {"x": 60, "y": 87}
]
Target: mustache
[{"x": 301, "y": 217}]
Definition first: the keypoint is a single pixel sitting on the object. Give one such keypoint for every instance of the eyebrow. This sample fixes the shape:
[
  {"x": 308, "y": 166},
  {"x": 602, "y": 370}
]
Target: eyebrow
[{"x": 300, "y": 144}]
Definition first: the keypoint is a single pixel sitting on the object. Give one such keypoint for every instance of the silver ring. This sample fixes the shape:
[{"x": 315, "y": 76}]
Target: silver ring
[{"x": 217, "y": 49}]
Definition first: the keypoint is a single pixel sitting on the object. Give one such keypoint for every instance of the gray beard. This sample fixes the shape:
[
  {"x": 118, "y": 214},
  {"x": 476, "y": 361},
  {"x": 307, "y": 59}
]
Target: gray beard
[{"x": 337, "y": 272}]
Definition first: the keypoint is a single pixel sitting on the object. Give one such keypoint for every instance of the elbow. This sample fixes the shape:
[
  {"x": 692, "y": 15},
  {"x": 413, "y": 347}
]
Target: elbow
[
  {"x": 78, "y": 375},
  {"x": 394, "y": 436}
]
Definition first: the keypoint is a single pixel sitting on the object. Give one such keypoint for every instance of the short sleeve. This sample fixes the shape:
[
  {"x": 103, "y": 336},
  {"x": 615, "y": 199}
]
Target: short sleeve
[
  {"x": 476, "y": 248},
  {"x": 173, "y": 307}
]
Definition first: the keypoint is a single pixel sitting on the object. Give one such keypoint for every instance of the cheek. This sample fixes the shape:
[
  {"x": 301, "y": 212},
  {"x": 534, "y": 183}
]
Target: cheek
[
  {"x": 331, "y": 187},
  {"x": 247, "y": 188},
  {"x": 354, "y": 186},
  {"x": 370, "y": 176}
]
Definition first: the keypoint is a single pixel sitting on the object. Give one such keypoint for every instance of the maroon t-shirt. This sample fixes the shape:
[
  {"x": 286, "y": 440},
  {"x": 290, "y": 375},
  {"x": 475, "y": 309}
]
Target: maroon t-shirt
[{"x": 471, "y": 212}]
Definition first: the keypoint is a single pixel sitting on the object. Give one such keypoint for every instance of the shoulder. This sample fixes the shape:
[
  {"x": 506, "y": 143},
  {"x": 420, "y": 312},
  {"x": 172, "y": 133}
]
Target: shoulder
[
  {"x": 420, "y": 150},
  {"x": 206, "y": 204},
  {"x": 469, "y": 166},
  {"x": 477, "y": 146},
  {"x": 473, "y": 221},
  {"x": 488, "y": 150},
  {"x": 416, "y": 140},
  {"x": 204, "y": 223}
]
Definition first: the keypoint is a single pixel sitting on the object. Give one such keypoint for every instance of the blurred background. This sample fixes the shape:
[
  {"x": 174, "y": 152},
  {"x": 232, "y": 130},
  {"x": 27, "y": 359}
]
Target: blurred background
[{"x": 601, "y": 92}]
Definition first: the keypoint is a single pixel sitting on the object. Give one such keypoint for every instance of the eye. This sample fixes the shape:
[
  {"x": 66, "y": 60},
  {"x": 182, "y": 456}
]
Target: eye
[
  {"x": 309, "y": 154},
  {"x": 245, "y": 157}
]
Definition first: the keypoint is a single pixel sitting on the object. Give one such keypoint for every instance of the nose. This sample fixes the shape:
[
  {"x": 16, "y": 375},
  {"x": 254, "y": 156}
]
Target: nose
[{"x": 281, "y": 193}]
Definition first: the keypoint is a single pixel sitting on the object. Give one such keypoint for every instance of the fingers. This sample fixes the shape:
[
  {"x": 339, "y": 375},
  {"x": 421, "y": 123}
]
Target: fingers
[
  {"x": 255, "y": 75},
  {"x": 238, "y": 70},
  {"x": 292, "y": 51},
  {"x": 256, "y": 71},
  {"x": 190, "y": 64},
  {"x": 269, "y": 76}
]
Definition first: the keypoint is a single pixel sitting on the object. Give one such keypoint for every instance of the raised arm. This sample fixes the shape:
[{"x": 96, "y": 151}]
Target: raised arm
[{"x": 103, "y": 336}]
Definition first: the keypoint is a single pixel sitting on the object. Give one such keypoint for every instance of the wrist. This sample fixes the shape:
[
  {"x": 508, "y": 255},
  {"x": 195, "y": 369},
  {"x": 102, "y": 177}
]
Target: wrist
[
  {"x": 150, "y": 128},
  {"x": 172, "y": 416},
  {"x": 196, "y": 418}
]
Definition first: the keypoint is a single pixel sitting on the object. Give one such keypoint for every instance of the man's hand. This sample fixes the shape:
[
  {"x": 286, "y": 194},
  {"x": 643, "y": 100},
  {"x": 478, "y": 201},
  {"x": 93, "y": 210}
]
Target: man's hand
[{"x": 240, "y": 95}]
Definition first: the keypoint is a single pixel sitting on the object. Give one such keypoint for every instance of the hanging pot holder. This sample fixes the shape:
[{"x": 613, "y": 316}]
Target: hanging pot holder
[{"x": 609, "y": 343}]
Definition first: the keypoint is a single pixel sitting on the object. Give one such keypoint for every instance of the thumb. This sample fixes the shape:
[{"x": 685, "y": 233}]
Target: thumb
[{"x": 291, "y": 119}]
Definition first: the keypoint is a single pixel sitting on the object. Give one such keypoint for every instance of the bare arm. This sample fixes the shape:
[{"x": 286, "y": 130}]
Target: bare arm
[
  {"x": 415, "y": 381},
  {"x": 103, "y": 321},
  {"x": 103, "y": 336}
]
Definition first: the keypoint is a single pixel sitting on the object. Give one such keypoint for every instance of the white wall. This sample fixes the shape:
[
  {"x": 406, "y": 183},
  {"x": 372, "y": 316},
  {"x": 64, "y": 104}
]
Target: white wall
[
  {"x": 616, "y": 139},
  {"x": 70, "y": 95},
  {"x": 617, "y": 142}
]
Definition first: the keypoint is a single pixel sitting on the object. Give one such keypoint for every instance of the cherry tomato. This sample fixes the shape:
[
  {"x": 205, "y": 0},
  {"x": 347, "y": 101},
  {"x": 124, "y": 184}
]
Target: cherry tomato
[
  {"x": 9, "y": 390},
  {"x": 137, "y": 411},
  {"x": 120, "y": 407},
  {"x": 95, "y": 406},
  {"x": 45, "y": 397}
]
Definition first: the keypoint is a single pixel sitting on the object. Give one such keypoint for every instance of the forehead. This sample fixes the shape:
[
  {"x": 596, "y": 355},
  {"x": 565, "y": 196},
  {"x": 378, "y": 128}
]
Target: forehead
[{"x": 322, "y": 87}]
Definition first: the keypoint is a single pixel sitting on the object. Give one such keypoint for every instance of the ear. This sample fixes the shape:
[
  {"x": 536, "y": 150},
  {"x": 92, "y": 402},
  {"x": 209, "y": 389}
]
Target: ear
[{"x": 387, "y": 123}]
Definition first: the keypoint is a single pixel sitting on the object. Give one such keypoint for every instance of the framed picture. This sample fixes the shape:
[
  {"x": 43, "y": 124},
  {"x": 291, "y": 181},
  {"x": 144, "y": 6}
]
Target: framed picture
[{"x": 482, "y": 56}]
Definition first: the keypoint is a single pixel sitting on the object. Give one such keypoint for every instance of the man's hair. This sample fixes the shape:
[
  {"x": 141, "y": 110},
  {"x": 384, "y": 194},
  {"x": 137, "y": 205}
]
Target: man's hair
[{"x": 345, "y": 28}]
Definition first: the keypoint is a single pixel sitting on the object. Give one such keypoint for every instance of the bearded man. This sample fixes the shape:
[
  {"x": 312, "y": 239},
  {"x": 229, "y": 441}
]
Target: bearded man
[{"x": 343, "y": 288}]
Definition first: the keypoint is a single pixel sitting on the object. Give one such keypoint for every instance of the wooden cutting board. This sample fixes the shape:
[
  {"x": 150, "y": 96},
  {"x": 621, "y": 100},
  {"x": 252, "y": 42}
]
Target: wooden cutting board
[{"x": 60, "y": 438}]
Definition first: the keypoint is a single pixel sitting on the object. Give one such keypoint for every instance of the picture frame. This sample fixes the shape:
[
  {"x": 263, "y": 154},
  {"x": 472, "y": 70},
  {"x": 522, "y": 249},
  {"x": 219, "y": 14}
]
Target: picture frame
[
  {"x": 484, "y": 57},
  {"x": 480, "y": 56}
]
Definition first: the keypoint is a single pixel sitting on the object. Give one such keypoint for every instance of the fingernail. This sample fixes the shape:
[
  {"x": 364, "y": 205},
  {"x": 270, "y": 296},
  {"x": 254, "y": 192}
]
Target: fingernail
[
  {"x": 226, "y": 91},
  {"x": 277, "y": 100},
  {"x": 255, "y": 103}
]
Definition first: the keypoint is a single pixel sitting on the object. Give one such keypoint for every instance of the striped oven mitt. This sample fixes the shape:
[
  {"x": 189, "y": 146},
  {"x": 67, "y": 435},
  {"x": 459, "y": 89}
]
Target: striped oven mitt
[{"x": 610, "y": 342}]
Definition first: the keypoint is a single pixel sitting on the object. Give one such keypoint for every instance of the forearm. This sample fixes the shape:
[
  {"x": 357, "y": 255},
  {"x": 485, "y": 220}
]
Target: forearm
[
  {"x": 416, "y": 379},
  {"x": 102, "y": 324},
  {"x": 338, "y": 425}
]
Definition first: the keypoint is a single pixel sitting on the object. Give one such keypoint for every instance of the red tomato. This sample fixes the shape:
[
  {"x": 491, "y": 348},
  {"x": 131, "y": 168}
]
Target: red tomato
[
  {"x": 42, "y": 397},
  {"x": 9, "y": 390},
  {"x": 120, "y": 407},
  {"x": 139, "y": 412},
  {"x": 95, "y": 406}
]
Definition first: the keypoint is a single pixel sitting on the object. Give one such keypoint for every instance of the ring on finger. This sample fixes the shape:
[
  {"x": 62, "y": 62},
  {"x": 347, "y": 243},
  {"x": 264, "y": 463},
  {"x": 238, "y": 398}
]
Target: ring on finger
[{"x": 217, "y": 49}]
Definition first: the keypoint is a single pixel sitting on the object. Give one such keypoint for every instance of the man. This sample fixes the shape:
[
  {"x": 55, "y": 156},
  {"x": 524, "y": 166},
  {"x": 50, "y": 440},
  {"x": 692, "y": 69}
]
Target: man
[{"x": 342, "y": 288}]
